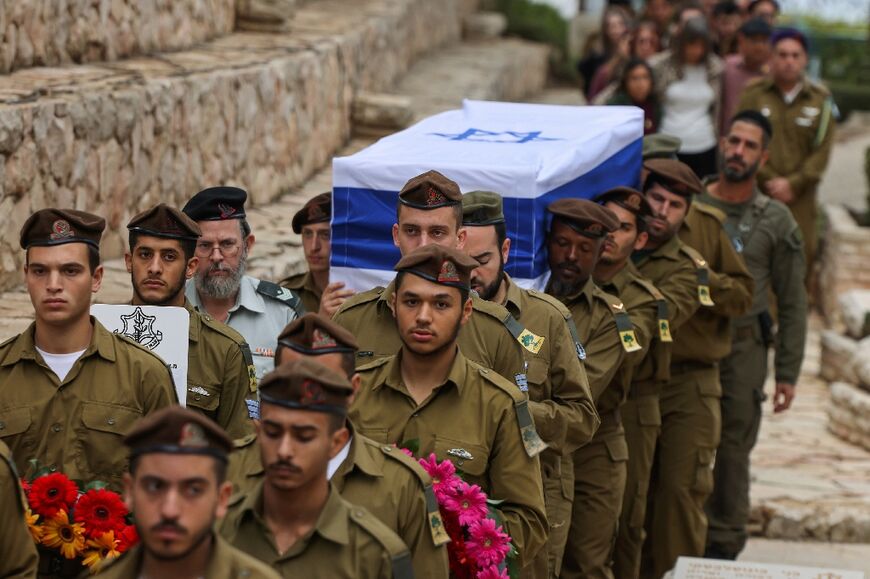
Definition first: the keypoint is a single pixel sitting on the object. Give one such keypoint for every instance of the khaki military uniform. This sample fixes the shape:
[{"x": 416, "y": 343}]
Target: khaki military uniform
[
  {"x": 221, "y": 379},
  {"x": 769, "y": 240},
  {"x": 600, "y": 466},
  {"x": 476, "y": 419},
  {"x": 803, "y": 133},
  {"x": 384, "y": 480},
  {"x": 76, "y": 426},
  {"x": 303, "y": 286},
  {"x": 682, "y": 478},
  {"x": 19, "y": 558},
  {"x": 560, "y": 402},
  {"x": 226, "y": 562},
  {"x": 485, "y": 339},
  {"x": 347, "y": 541}
]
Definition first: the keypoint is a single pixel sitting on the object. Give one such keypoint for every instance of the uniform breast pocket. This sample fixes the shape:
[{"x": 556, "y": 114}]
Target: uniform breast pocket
[
  {"x": 471, "y": 459},
  {"x": 204, "y": 397},
  {"x": 538, "y": 372},
  {"x": 102, "y": 455},
  {"x": 14, "y": 424}
]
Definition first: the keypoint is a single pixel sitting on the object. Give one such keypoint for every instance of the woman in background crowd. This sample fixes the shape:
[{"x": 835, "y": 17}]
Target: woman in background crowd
[
  {"x": 637, "y": 88},
  {"x": 645, "y": 41},
  {"x": 616, "y": 22}
]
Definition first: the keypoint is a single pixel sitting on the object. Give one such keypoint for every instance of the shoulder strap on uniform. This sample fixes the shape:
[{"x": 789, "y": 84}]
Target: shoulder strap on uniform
[
  {"x": 8, "y": 341},
  {"x": 575, "y": 335},
  {"x": 703, "y": 271},
  {"x": 360, "y": 299},
  {"x": 244, "y": 441},
  {"x": 392, "y": 544},
  {"x": 824, "y": 123},
  {"x": 748, "y": 222},
  {"x": 569, "y": 320},
  {"x": 528, "y": 340},
  {"x": 662, "y": 315},
  {"x": 624, "y": 325},
  {"x": 282, "y": 294},
  {"x": 373, "y": 364},
  {"x": 531, "y": 439},
  {"x": 710, "y": 210}
]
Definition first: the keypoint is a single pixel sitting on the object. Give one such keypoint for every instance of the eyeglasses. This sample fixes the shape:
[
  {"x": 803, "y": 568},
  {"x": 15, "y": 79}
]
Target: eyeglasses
[{"x": 227, "y": 247}]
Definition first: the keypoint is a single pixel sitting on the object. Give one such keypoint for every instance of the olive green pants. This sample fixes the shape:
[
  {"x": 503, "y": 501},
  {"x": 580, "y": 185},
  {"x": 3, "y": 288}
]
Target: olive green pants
[
  {"x": 742, "y": 374},
  {"x": 557, "y": 474},
  {"x": 806, "y": 212},
  {"x": 682, "y": 474},
  {"x": 641, "y": 418},
  {"x": 599, "y": 482}
]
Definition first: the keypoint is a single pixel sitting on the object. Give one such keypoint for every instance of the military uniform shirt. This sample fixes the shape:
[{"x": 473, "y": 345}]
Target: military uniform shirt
[
  {"x": 219, "y": 377},
  {"x": 258, "y": 317},
  {"x": 76, "y": 426},
  {"x": 225, "y": 562},
  {"x": 347, "y": 542},
  {"x": 472, "y": 420},
  {"x": 774, "y": 255},
  {"x": 304, "y": 286},
  {"x": 19, "y": 560}
]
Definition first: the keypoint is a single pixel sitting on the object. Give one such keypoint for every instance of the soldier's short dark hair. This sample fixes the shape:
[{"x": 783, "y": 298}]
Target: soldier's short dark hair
[{"x": 754, "y": 117}]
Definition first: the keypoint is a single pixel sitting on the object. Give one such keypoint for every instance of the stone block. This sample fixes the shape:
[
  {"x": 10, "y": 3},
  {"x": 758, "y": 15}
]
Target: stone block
[
  {"x": 484, "y": 25},
  {"x": 265, "y": 15},
  {"x": 860, "y": 365},
  {"x": 383, "y": 111},
  {"x": 836, "y": 364},
  {"x": 849, "y": 414},
  {"x": 844, "y": 259},
  {"x": 855, "y": 309}
]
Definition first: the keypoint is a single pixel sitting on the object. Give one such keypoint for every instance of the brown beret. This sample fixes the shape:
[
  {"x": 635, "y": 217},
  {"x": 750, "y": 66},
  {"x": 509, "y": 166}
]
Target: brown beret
[
  {"x": 439, "y": 265},
  {"x": 677, "y": 177},
  {"x": 306, "y": 385},
  {"x": 482, "y": 208},
  {"x": 314, "y": 334},
  {"x": 627, "y": 198},
  {"x": 57, "y": 226},
  {"x": 585, "y": 217},
  {"x": 165, "y": 221},
  {"x": 178, "y": 430},
  {"x": 318, "y": 209},
  {"x": 430, "y": 190}
]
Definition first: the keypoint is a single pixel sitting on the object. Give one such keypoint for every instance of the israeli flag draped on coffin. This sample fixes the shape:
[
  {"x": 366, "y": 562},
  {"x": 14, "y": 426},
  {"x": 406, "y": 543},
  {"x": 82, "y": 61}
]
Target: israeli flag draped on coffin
[{"x": 530, "y": 154}]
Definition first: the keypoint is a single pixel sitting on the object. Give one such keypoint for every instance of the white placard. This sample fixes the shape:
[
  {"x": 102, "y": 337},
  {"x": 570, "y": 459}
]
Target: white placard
[
  {"x": 161, "y": 329},
  {"x": 692, "y": 568}
]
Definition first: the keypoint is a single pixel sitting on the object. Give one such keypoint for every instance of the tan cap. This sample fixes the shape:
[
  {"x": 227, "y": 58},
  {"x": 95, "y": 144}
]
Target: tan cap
[
  {"x": 674, "y": 175},
  {"x": 660, "y": 146},
  {"x": 430, "y": 190},
  {"x": 482, "y": 208},
  {"x": 627, "y": 198},
  {"x": 315, "y": 334},
  {"x": 57, "y": 226},
  {"x": 439, "y": 265},
  {"x": 318, "y": 209},
  {"x": 177, "y": 430},
  {"x": 305, "y": 384},
  {"x": 585, "y": 217},
  {"x": 165, "y": 221}
]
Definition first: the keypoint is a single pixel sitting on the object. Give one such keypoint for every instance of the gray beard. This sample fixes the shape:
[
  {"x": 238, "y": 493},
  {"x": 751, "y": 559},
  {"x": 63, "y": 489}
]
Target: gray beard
[{"x": 221, "y": 287}]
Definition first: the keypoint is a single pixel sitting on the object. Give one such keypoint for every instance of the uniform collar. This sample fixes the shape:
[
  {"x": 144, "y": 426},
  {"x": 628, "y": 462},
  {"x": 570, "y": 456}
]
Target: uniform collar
[
  {"x": 456, "y": 376},
  {"x": 195, "y": 322},
  {"x": 220, "y": 561},
  {"x": 359, "y": 459},
  {"x": 583, "y": 292},
  {"x": 24, "y": 347},
  {"x": 248, "y": 297},
  {"x": 669, "y": 250},
  {"x": 619, "y": 281},
  {"x": 514, "y": 297}
]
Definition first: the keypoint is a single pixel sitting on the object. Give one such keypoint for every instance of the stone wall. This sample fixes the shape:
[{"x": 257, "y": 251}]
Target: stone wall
[
  {"x": 55, "y": 32},
  {"x": 262, "y": 111},
  {"x": 844, "y": 260}
]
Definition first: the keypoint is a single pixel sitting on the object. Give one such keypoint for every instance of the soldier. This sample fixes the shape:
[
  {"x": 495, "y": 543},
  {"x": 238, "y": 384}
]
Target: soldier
[
  {"x": 430, "y": 393},
  {"x": 220, "y": 370},
  {"x": 574, "y": 244},
  {"x": 294, "y": 519},
  {"x": 257, "y": 309},
  {"x": 390, "y": 484},
  {"x": 800, "y": 112},
  {"x": 764, "y": 232},
  {"x": 18, "y": 558},
  {"x": 70, "y": 388},
  {"x": 430, "y": 212},
  {"x": 681, "y": 479},
  {"x": 312, "y": 222},
  {"x": 559, "y": 396},
  {"x": 177, "y": 489}
]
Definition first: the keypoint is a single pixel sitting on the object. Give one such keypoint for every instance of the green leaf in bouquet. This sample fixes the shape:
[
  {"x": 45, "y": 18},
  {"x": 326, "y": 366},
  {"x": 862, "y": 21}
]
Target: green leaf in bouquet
[
  {"x": 94, "y": 485},
  {"x": 413, "y": 445},
  {"x": 41, "y": 471}
]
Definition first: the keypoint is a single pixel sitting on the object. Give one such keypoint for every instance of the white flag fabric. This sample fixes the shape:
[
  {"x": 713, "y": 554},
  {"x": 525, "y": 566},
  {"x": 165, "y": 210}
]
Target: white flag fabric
[{"x": 530, "y": 154}]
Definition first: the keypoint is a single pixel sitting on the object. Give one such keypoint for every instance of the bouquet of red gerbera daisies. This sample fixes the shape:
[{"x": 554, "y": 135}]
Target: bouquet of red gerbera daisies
[
  {"x": 89, "y": 526},
  {"x": 479, "y": 548}
]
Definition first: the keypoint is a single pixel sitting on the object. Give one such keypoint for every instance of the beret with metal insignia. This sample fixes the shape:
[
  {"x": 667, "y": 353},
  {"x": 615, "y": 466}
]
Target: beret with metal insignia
[
  {"x": 314, "y": 334},
  {"x": 217, "y": 204},
  {"x": 675, "y": 176},
  {"x": 178, "y": 430},
  {"x": 627, "y": 198},
  {"x": 165, "y": 221},
  {"x": 305, "y": 384},
  {"x": 585, "y": 217},
  {"x": 430, "y": 190},
  {"x": 660, "y": 146},
  {"x": 318, "y": 209},
  {"x": 57, "y": 226},
  {"x": 482, "y": 208},
  {"x": 439, "y": 265}
]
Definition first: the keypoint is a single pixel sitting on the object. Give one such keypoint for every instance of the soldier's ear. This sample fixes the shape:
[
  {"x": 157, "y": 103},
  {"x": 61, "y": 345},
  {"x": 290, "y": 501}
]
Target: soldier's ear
[
  {"x": 192, "y": 266},
  {"x": 97, "y": 279},
  {"x": 128, "y": 261},
  {"x": 765, "y": 155},
  {"x": 461, "y": 236},
  {"x": 396, "y": 234},
  {"x": 225, "y": 491},
  {"x": 466, "y": 311},
  {"x": 127, "y": 482},
  {"x": 505, "y": 250}
]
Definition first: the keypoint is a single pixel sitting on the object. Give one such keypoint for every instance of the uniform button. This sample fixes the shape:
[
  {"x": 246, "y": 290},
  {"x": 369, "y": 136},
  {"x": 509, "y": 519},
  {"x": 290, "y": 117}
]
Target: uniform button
[
  {"x": 388, "y": 448},
  {"x": 358, "y": 514},
  {"x": 111, "y": 421},
  {"x": 55, "y": 427},
  {"x": 416, "y": 415}
]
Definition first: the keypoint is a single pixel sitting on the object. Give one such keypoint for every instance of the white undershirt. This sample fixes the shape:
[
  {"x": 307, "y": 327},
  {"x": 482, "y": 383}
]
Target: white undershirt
[
  {"x": 60, "y": 363},
  {"x": 336, "y": 461},
  {"x": 688, "y": 111}
]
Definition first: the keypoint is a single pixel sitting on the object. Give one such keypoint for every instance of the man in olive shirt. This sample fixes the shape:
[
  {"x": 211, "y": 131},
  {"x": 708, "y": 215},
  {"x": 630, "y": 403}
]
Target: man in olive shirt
[
  {"x": 431, "y": 395},
  {"x": 294, "y": 519},
  {"x": 220, "y": 369},
  {"x": 312, "y": 223},
  {"x": 387, "y": 482},
  {"x": 558, "y": 390},
  {"x": 176, "y": 490},
  {"x": 801, "y": 114},
  {"x": 429, "y": 211},
  {"x": 682, "y": 476},
  {"x": 69, "y": 388},
  {"x": 764, "y": 232},
  {"x": 18, "y": 557}
]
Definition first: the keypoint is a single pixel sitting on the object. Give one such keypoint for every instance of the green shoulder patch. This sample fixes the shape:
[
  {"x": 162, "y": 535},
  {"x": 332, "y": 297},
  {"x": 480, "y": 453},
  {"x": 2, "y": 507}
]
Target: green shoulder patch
[{"x": 703, "y": 271}]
